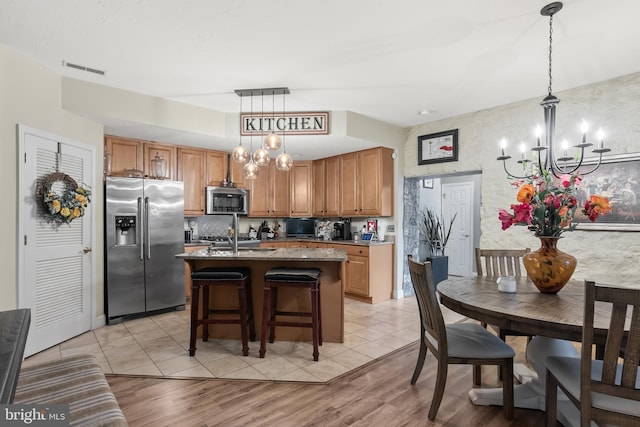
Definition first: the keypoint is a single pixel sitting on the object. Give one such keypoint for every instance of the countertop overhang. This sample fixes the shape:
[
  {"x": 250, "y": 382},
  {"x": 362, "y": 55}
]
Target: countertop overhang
[{"x": 280, "y": 254}]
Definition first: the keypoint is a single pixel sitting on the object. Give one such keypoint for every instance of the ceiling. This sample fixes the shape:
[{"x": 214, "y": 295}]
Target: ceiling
[{"x": 381, "y": 59}]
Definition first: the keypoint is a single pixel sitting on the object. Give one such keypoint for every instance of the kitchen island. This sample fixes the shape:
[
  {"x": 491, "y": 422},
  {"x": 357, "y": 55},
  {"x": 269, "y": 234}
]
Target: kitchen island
[{"x": 332, "y": 263}]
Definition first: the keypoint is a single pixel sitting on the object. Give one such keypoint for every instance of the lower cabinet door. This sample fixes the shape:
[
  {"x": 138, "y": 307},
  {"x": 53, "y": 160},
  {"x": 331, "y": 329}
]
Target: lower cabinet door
[{"x": 358, "y": 275}]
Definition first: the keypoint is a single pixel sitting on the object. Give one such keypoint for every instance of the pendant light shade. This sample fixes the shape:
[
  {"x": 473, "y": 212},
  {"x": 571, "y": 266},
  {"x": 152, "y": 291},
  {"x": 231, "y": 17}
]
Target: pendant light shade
[
  {"x": 261, "y": 157},
  {"x": 272, "y": 142},
  {"x": 250, "y": 170},
  {"x": 284, "y": 162},
  {"x": 240, "y": 154}
]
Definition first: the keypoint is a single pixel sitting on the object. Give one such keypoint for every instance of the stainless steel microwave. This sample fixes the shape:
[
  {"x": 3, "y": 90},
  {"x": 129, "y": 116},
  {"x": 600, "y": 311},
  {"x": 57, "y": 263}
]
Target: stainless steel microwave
[{"x": 226, "y": 200}]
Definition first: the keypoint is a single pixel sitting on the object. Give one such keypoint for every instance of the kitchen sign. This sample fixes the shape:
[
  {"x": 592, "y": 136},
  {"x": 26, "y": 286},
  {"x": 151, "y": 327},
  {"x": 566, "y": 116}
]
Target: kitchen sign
[{"x": 304, "y": 123}]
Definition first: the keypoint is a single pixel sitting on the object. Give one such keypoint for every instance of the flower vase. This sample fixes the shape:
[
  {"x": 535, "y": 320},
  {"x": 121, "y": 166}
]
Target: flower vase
[{"x": 549, "y": 268}]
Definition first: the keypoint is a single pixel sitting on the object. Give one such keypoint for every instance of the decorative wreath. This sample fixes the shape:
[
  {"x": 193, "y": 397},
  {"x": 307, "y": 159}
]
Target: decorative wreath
[{"x": 63, "y": 208}]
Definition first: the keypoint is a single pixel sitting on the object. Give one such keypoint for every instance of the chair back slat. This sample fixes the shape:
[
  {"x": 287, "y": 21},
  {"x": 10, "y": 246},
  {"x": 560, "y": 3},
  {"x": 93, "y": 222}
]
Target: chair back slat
[
  {"x": 430, "y": 313},
  {"x": 622, "y": 341},
  {"x": 500, "y": 262}
]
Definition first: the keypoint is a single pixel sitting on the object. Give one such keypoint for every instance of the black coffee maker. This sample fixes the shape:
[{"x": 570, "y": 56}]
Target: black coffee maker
[{"x": 342, "y": 230}]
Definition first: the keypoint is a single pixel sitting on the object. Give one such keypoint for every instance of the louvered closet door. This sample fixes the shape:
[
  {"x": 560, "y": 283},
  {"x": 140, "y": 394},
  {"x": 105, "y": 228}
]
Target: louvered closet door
[{"x": 56, "y": 262}]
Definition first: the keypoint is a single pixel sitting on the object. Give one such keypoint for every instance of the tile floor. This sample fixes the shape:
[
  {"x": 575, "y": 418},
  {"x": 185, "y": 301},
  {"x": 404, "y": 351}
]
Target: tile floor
[{"x": 158, "y": 346}]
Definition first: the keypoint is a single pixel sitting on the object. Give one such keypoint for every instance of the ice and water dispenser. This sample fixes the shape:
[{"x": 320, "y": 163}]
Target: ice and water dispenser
[{"x": 126, "y": 230}]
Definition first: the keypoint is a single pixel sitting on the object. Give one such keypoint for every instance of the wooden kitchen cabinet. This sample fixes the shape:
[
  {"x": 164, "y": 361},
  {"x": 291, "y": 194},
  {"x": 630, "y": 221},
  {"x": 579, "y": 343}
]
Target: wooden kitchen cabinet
[
  {"x": 326, "y": 187},
  {"x": 126, "y": 154},
  {"x": 169, "y": 152},
  {"x": 301, "y": 189},
  {"x": 369, "y": 272},
  {"x": 349, "y": 182},
  {"x": 367, "y": 183},
  {"x": 191, "y": 171},
  {"x": 270, "y": 193},
  {"x": 217, "y": 169}
]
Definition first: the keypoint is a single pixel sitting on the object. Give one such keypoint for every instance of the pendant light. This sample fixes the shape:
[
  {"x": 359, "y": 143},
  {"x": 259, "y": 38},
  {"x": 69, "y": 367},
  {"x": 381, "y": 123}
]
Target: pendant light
[
  {"x": 251, "y": 170},
  {"x": 240, "y": 153},
  {"x": 272, "y": 141},
  {"x": 261, "y": 156},
  {"x": 284, "y": 162}
]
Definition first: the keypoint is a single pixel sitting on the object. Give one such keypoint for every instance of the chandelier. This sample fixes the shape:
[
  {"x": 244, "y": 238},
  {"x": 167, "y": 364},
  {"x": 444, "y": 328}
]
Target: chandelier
[
  {"x": 252, "y": 160},
  {"x": 545, "y": 154}
]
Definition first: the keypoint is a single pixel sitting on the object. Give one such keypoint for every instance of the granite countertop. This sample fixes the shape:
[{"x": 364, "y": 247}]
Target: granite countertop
[
  {"x": 293, "y": 239},
  {"x": 268, "y": 254}
]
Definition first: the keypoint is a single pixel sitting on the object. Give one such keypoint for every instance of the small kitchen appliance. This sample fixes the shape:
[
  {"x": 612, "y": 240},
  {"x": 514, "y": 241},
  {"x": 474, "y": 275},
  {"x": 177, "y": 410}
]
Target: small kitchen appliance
[{"x": 342, "y": 230}]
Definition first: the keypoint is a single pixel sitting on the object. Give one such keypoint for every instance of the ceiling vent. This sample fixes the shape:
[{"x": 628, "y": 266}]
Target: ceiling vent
[{"x": 83, "y": 68}]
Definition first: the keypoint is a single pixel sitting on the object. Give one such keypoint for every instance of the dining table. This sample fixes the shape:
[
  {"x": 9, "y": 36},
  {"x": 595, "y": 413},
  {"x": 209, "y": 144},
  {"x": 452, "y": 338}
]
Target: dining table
[{"x": 554, "y": 321}]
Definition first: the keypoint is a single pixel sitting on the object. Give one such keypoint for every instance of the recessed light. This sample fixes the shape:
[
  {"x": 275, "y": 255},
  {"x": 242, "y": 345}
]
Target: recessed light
[{"x": 424, "y": 112}]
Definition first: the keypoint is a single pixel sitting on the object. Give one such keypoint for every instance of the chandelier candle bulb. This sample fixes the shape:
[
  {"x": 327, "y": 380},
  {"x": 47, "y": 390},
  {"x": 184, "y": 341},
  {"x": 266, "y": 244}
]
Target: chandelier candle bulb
[
  {"x": 503, "y": 145},
  {"x": 600, "y": 138},
  {"x": 538, "y": 135},
  {"x": 523, "y": 150},
  {"x": 584, "y": 128}
]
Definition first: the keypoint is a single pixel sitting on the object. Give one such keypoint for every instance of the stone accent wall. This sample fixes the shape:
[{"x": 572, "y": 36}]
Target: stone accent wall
[{"x": 605, "y": 256}]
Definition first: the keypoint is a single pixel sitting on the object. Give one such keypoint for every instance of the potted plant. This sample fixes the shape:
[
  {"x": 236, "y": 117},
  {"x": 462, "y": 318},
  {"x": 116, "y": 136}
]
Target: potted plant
[{"x": 434, "y": 235}]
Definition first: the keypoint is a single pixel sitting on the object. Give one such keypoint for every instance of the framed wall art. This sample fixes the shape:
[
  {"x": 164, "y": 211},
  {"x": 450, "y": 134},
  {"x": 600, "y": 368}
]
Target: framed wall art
[
  {"x": 438, "y": 147},
  {"x": 618, "y": 179}
]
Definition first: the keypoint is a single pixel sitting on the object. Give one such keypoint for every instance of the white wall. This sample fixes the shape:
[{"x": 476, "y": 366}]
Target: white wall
[
  {"x": 30, "y": 95},
  {"x": 609, "y": 257}
]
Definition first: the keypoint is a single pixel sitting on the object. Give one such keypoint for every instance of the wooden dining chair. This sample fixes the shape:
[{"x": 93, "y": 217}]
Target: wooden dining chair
[
  {"x": 501, "y": 262},
  {"x": 605, "y": 391},
  {"x": 459, "y": 343}
]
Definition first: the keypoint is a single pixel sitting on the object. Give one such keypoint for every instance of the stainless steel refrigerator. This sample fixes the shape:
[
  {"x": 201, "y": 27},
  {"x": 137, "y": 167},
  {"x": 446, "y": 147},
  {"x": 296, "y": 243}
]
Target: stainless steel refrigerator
[{"x": 144, "y": 230}]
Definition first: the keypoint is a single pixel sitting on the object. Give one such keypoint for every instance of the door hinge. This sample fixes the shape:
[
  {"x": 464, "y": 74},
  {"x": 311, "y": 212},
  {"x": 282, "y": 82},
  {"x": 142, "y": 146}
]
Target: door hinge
[
  {"x": 25, "y": 240},
  {"x": 25, "y": 157}
]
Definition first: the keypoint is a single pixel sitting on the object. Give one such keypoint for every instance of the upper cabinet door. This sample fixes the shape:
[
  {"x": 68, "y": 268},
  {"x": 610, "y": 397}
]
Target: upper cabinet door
[
  {"x": 280, "y": 191},
  {"x": 215, "y": 168},
  {"x": 301, "y": 189},
  {"x": 349, "y": 203},
  {"x": 168, "y": 152},
  {"x": 376, "y": 181},
  {"x": 191, "y": 171},
  {"x": 318, "y": 188},
  {"x": 126, "y": 154},
  {"x": 332, "y": 186}
]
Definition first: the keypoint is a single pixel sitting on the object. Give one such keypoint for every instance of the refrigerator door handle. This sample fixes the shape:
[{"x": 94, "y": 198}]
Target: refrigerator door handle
[
  {"x": 146, "y": 227},
  {"x": 140, "y": 225}
]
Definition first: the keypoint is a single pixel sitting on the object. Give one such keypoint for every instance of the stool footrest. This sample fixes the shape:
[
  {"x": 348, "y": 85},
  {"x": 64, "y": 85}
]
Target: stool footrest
[
  {"x": 285, "y": 323},
  {"x": 294, "y": 313}
]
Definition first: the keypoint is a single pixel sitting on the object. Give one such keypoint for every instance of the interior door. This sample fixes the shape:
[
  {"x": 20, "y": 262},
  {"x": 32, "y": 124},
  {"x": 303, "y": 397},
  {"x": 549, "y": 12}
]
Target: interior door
[
  {"x": 55, "y": 263},
  {"x": 457, "y": 199}
]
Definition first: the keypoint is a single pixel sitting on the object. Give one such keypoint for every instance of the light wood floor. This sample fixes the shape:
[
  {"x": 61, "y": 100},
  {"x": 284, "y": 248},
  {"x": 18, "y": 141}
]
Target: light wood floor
[{"x": 379, "y": 394}]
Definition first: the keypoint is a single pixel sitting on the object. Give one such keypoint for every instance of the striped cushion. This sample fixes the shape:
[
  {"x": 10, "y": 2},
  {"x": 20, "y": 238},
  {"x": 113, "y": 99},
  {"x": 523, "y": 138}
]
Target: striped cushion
[{"x": 76, "y": 380}]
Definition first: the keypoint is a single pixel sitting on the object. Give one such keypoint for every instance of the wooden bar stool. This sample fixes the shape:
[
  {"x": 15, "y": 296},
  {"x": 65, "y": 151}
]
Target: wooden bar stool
[
  {"x": 208, "y": 277},
  {"x": 294, "y": 278}
]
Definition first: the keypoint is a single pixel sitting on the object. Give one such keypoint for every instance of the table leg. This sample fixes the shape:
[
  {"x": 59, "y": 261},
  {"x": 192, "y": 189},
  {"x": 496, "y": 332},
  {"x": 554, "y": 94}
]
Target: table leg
[{"x": 530, "y": 394}]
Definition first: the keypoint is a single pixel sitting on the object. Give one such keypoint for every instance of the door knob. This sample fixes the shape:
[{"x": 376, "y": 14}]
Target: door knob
[{"x": 86, "y": 250}]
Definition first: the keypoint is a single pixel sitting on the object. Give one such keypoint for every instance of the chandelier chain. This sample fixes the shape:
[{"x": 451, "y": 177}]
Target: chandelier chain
[{"x": 550, "y": 49}]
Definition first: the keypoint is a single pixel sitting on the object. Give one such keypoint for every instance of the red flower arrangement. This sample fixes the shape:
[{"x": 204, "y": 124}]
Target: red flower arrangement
[{"x": 547, "y": 205}]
